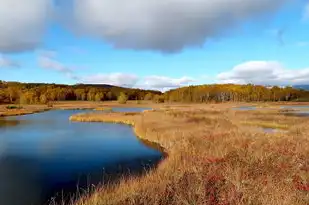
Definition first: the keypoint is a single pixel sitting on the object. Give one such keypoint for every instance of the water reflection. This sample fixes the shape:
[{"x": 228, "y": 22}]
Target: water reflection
[
  {"x": 7, "y": 123},
  {"x": 244, "y": 108},
  {"x": 44, "y": 154},
  {"x": 297, "y": 110}
]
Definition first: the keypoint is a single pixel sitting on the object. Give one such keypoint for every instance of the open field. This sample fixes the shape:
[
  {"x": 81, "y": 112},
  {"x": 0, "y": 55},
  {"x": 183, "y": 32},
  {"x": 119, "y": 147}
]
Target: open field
[{"x": 216, "y": 156}]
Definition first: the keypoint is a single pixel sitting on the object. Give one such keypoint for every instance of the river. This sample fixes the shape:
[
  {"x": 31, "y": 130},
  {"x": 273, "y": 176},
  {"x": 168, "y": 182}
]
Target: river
[{"x": 45, "y": 157}]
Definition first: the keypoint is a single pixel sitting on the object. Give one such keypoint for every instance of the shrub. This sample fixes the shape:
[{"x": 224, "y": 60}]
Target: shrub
[{"x": 10, "y": 107}]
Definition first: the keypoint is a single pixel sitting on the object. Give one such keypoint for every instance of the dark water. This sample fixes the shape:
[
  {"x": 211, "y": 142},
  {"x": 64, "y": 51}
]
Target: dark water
[{"x": 44, "y": 154}]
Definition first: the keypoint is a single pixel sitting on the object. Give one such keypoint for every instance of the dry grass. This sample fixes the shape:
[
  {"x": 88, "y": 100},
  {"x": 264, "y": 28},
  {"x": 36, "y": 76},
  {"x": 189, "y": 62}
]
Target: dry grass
[
  {"x": 73, "y": 105},
  {"x": 24, "y": 110},
  {"x": 213, "y": 159},
  {"x": 103, "y": 109}
]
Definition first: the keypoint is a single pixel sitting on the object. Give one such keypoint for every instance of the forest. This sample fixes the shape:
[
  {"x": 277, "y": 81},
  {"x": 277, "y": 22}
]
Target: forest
[
  {"x": 235, "y": 93},
  {"x": 41, "y": 93}
]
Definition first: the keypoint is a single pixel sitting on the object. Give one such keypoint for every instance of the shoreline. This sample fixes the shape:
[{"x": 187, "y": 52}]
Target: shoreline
[
  {"x": 137, "y": 128},
  {"x": 84, "y": 105},
  {"x": 207, "y": 148},
  {"x": 211, "y": 153}
]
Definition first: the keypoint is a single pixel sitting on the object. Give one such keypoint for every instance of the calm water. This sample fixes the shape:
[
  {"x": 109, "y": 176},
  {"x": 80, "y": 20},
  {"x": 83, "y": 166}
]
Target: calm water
[
  {"x": 244, "y": 108},
  {"x": 137, "y": 109},
  {"x": 44, "y": 154},
  {"x": 299, "y": 111}
]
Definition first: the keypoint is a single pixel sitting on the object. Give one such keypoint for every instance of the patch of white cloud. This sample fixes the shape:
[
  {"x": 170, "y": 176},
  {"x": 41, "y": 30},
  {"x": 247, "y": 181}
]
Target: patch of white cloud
[
  {"x": 163, "y": 82},
  {"x": 165, "y": 25},
  {"x": 6, "y": 62},
  {"x": 264, "y": 73},
  {"x": 46, "y": 61},
  {"x": 117, "y": 79},
  {"x": 22, "y": 23}
]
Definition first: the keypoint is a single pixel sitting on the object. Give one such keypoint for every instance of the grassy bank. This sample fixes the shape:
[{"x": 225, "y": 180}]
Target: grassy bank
[
  {"x": 13, "y": 110},
  {"x": 6, "y": 110},
  {"x": 213, "y": 158}
]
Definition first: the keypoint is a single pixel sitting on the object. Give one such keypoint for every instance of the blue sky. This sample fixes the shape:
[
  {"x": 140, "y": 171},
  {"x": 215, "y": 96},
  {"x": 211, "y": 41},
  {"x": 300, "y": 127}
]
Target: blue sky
[{"x": 270, "y": 46}]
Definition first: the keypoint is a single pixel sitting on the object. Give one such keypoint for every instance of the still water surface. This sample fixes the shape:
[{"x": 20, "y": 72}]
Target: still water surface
[{"x": 44, "y": 154}]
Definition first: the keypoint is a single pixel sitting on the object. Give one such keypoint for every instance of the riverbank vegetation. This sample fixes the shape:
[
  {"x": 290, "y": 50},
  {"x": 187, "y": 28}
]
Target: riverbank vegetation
[
  {"x": 235, "y": 93},
  {"x": 41, "y": 93},
  {"x": 213, "y": 158},
  {"x": 36, "y": 93}
]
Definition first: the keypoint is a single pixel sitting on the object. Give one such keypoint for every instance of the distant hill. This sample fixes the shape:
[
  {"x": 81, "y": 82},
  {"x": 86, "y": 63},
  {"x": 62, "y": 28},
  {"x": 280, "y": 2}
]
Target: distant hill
[{"x": 302, "y": 87}]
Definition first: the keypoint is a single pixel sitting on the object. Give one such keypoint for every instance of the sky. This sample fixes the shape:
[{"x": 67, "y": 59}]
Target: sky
[{"x": 155, "y": 44}]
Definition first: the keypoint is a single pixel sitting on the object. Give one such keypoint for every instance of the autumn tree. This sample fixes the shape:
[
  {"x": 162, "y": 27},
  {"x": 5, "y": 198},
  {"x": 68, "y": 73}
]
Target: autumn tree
[
  {"x": 99, "y": 97},
  {"x": 122, "y": 98},
  {"x": 148, "y": 96}
]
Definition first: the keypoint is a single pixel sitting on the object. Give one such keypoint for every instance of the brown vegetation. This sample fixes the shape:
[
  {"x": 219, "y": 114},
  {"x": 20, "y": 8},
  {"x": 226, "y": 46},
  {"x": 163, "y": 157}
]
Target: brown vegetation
[
  {"x": 28, "y": 109},
  {"x": 213, "y": 159},
  {"x": 40, "y": 93}
]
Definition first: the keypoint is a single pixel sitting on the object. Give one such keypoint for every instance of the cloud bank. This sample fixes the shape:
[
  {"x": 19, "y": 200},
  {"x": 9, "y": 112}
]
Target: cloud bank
[
  {"x": 264, "y": 73},
  {"x": 22, "y": 24},
  {"x": 161, "y": 25},
  {"x": 164, "y": 25}
]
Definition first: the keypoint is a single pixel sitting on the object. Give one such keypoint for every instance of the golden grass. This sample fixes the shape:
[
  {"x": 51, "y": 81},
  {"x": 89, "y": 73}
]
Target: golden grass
[
  {"x": 4, "y": 112},
  {"x": 103, "y": 109},
  {"x": 72, "y": 105},
  {"x": 273, "y": 125},
  {"x": 212, "y": 159}
]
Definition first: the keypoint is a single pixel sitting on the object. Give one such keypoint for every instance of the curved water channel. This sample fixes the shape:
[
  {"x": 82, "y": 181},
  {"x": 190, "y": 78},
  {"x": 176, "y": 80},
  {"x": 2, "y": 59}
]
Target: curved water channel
[{"x": 45, "y": 155}]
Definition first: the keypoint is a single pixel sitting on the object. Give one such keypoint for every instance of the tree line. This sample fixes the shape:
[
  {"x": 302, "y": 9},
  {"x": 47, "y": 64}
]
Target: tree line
[
  {"x": 235, "y": 93},
  {"x": 35, "y": 93},
  {"x": 40, "y": 93}
]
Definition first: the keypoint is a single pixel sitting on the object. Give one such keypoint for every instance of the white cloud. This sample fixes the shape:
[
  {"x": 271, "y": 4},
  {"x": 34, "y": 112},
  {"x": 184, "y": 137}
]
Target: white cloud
[
  {"x": 46, "y": 61},
  {"x": 49, "y": 63},
  {"x": 164, "y": 25},
  {"x": 264, "y": 73},
  {"x": 164, "y": 83},
  {"x": 130, "y": 80},
  {"x": 6, "y": 62},
  {"x": 117, "y": 79},
  {"x": 22, "y": 23}
]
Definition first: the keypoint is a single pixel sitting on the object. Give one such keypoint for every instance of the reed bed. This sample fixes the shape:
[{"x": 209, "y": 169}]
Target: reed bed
[{"x": 213, "y": 158}]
